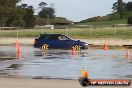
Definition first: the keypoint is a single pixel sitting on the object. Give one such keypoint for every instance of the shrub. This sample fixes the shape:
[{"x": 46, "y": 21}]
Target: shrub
[{"x": 129, "y": 20}]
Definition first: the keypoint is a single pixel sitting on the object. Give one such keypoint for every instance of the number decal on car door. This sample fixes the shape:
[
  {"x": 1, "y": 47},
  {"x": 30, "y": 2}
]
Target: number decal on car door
[
  {"x": 77, "y": 47},
  {"x": 45, "y": 47}
]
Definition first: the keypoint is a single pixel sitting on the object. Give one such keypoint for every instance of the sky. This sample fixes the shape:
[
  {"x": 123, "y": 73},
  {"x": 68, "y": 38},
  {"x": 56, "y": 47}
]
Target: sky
[{"x": 77, "y": 10}]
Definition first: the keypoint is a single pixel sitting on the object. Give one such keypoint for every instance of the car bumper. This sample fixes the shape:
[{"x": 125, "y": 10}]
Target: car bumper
[{"x": 84, "y": 47}]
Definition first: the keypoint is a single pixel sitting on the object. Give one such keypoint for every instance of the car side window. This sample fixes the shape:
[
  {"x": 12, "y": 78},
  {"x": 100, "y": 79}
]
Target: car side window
[
  {"x": 59, "y": 38},
  {"x": 52, "y": 37},
  {"x": 64, "y": 37}
]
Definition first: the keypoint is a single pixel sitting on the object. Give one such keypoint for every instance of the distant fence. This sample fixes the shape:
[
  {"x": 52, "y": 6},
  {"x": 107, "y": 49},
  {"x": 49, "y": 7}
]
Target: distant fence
[
  {"x": 8, "y": 28},
  {"x": 77, "y": 31}
]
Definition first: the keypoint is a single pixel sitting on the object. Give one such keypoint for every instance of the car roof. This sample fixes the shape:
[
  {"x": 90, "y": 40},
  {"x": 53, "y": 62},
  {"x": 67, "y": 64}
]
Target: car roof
[{"x": 51, "y": 34}]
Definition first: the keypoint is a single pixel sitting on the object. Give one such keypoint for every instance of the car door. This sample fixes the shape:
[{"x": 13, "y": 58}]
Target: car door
[
  {"x": 56, "y": 42},
  {"x": 59, "y": 42},
  {"x": 52, "y": 41}
]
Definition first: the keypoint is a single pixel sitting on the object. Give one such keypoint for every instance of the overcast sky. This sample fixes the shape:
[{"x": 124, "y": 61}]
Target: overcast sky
[{"x": 77, "y": 10}]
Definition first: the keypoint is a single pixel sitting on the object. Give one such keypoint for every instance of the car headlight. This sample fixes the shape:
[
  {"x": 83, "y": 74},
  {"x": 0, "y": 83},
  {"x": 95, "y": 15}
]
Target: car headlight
[{"x": 86, "y": 44}]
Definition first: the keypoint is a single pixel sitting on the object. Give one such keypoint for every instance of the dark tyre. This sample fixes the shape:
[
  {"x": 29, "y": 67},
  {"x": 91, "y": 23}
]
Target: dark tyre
[{"x": 84, "y": 81}]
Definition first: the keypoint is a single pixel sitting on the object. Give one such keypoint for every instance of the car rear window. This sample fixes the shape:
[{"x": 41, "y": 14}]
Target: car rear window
[{"x": 42, "y": 37}]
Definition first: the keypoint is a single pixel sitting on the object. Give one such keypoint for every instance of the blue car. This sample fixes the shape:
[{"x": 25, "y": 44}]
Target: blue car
[{"x": 58, "y": 41}]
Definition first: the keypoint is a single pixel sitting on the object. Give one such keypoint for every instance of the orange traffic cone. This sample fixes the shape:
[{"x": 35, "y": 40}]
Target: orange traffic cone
[
  {"x": 105, "y": 47},
  {"x": 84, "y": 74},
  {"x": 127, "y": 54},
  {"x": 18, "y": 55},
  {"x": 73, "y": 51},
  {"x": 17, "y": 45},
  {"x": 18, "y": 50}
]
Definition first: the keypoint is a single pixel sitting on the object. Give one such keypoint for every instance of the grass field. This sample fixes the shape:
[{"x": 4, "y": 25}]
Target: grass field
[
  {"x": 106, "y": 23},
  {"x": 107, "y": 32}
]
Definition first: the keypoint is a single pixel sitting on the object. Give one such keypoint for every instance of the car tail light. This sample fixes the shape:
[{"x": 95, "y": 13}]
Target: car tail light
[{"x": 35, "y": 41}]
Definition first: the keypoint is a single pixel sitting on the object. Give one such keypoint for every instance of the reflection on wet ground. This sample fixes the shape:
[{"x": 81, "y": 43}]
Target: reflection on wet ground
[{"x": 61, "y": 64}]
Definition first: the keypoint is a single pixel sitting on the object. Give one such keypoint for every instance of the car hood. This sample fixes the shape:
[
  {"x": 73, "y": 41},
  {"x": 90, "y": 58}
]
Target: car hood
[{"x": 79, "y": 41}]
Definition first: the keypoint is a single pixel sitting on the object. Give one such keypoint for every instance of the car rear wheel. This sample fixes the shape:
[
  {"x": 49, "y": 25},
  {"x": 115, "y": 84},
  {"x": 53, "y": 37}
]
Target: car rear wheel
[
  {"x": 77, "y": 47},
  {"x": 45, "y": 47}
]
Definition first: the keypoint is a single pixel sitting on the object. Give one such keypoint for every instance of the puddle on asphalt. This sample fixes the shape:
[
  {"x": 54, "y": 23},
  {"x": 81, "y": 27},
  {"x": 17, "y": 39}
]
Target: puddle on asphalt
[{"x": 61, "y": 64}]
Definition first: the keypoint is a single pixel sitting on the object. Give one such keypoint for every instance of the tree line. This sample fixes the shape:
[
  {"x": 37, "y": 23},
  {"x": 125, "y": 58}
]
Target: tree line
[
  {"x": 13, "y": 14},
  {"x": 122, "y": 8}
]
